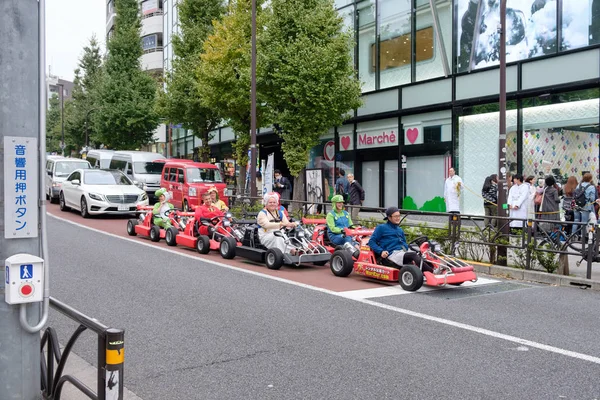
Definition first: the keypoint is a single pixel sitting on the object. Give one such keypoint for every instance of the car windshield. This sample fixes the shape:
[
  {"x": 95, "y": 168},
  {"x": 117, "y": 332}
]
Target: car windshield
[
  {"x": 106, "y": 178},
  {"x": 195, "y": 175},
  {"x": 65, "y": 168},
  {"x": 150, "y": 168}
]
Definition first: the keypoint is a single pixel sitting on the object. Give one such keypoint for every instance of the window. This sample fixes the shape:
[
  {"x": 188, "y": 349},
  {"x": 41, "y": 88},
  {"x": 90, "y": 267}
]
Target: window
[
  {"x": 432, "y": 134},
  {"x": 395, "y": 52},
  {"x": 180, "y": 176},
  {"x": 366, "y": 37},
  {"x": 195, "y": 175},
  {"x": 150, "y": 168},
  {"x": 106, "y": 178},
  {"x": 395, "y": 43},
  {"x": 65, "y": 168},
  {"x": 166, "y": 174},
  {"x": 118, "y": 164},
  {"x": 73, "y": 176},
  {"x": 173, "y": 175}
]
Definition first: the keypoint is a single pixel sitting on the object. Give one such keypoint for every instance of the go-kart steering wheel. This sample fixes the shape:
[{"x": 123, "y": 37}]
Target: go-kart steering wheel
[
  {"x": 415, "y": 244},
  {"x": 215, "y": 220}
]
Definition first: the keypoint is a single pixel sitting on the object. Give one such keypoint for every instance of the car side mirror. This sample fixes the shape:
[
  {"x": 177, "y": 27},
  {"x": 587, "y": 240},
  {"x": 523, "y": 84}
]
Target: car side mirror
[
  {"x": 50, "y": 173},
  {"x": 76, "y": 182}
]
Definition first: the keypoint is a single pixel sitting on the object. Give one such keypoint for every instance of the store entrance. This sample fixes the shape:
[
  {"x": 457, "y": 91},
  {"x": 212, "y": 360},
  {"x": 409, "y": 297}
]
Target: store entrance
[{"x": 379, "y": 177}]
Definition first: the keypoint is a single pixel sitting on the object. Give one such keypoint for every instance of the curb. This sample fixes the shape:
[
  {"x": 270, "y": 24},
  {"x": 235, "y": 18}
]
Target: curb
[{"x": 536, "y": 276}]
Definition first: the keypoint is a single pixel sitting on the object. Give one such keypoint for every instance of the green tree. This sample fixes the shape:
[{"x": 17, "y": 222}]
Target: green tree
[
  {"x": 224, "y": 74},
  {"x": 53, "y": 125},
  {"x": 126, "y": 118},
  {"x": 84, "y": 98},
  {"x": 307, "y": 78},
  {"x": 182, "y": 102}
]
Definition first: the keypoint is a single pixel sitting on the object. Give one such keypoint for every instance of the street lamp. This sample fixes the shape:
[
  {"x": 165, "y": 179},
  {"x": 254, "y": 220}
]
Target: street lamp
[
  {"x": 62, "y": 117},
  {"x": 87, "y": 137}
]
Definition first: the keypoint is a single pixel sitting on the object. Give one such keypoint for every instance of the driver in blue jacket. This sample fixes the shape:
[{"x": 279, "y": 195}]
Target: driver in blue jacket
[{"x": 389, "y": 242}]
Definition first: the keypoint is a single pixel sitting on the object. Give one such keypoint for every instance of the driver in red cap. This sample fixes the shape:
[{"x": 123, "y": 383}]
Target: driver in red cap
[{"x": 389, "y": 242}]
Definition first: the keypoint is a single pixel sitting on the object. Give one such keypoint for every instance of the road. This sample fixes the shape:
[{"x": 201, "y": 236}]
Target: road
[{"x": 197, "y": 328}]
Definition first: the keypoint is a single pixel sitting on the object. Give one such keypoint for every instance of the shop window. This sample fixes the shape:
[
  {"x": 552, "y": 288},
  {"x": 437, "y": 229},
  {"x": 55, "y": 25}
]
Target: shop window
[
  {"x": 432, "y": 134},
  {"x": 580, "y": 24},
  {"x": 365, "y": 11},
  {"x": 395, "y": 43},
  {"x": 396, "y": 52},
  {"x": 432, "y": 66},
  {"x": 370, "y": 183}
]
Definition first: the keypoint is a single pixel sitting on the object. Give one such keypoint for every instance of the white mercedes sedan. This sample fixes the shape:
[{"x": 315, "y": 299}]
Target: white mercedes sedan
[{"x": 100, "y": 191}]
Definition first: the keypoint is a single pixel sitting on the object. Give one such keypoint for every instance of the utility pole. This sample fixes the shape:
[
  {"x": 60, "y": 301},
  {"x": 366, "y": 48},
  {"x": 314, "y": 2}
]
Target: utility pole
[
  {"x": 22, "y": 115},
  {"x": 502, "y": 183},
  {"x": 62, "y": 117},
  {"x": 253, "y": 107}
]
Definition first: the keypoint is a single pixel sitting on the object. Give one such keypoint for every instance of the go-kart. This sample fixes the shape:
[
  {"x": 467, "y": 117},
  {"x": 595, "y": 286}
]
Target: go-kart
[
  {"x": 319, "y": 233},
  {"x": 144, "y": 225},
  {"x": 224, "y": 234},
  {"x": 448, "y": 270},
  {"x": 296, "y": 240}
]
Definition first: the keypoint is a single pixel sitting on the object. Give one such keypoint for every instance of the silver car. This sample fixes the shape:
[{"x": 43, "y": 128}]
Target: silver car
[{"x": 100, "y": 191}]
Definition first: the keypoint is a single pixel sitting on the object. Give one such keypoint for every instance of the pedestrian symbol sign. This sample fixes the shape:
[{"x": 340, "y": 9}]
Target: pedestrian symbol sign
[{"x": 27, "y": 271}]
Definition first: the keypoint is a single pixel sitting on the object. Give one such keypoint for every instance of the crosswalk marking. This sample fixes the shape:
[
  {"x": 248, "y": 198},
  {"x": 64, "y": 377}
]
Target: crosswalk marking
[{"x": 397, "y": 290}]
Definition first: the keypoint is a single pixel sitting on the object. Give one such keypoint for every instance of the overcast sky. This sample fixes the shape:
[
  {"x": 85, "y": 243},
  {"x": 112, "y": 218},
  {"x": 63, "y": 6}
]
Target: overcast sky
[{"x": 69, "y": 26}]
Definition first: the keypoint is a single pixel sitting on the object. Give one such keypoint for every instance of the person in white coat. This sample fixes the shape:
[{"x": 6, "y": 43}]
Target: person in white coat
[
  {"x": 453, "y": 187},
  {"x": 518, "y": 201},
  {"x": 271, "y": 219}
]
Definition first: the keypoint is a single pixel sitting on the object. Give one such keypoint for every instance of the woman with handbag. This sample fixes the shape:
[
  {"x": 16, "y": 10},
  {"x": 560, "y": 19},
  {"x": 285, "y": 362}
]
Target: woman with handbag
[{"x": 549, "y": 206}]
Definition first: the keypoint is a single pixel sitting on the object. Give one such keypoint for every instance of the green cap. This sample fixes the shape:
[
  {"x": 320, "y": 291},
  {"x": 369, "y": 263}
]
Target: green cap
[
  {"x": 338, "y": 198},
  {"x": 160, "y": 192}
]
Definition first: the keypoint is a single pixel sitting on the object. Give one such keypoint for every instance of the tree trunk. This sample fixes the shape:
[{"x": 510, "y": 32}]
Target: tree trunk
[
  {"x": 563, "y": 268},
  {"x": 299, "y": 191}
]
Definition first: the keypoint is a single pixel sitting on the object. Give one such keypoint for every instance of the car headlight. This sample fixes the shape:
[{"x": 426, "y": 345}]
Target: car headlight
[
  {"x": 192, "y": 192},
  {"x": 55, "y": 184},
  {"x": 226, "y": 222},
  {"x": 144, "y": 196},
  {"x": 95, "y": 196},
  {"x": 139, "y": 184}
]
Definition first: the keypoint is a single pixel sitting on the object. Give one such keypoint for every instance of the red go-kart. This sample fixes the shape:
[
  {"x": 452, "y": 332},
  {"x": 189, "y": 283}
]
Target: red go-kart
[
  {"x": 223, "y": 235},
  {"x": 319, "y": 233},
  {"x": 145, "y": 226},
  {"x": 448, "y": 270}
]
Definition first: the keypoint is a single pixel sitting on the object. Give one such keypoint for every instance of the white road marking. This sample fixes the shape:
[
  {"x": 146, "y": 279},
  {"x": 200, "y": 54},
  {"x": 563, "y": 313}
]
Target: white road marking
[
  {"x": 459, "y": 325},
  {"x": 397, "y": 290}
]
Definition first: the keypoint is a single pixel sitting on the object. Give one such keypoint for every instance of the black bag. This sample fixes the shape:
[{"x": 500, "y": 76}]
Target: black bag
[
  {"x": 339, "y": 189},
  {"x": 579, "y": 196}
]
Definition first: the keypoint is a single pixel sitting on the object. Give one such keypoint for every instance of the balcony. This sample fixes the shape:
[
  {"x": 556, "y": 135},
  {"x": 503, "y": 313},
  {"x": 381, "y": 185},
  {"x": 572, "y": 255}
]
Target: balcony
[
  {"x": 152, "y": 59},
  {"x": 152, "y": 24}
]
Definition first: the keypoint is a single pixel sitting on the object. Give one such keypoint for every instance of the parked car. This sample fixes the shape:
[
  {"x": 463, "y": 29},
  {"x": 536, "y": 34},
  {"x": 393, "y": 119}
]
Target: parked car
[
  {"x": 57, "y": 170},
  {"x": 187, "y": 181},
  {"x": 100, "y": 191},
  {"x": 100, "y": 158},
  {"x": 143, "y": 168}
]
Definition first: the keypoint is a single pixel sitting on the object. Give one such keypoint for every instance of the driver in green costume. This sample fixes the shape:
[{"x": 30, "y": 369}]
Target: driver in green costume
[{"x": 162, "y": 209}]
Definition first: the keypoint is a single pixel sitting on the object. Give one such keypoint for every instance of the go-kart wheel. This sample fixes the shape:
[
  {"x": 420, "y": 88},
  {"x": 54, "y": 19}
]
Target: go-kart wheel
[
  {"x": 170, "y": 236},
  {"x": 131, "y": 227},
  {"x": 411, "y": 278},
  {"x": 203, "y": 244},
  {"x": 341, "y": 263},
  {"x": 227, "y": 248},
  {"x": 61, "y": 202},
  {"x": 274, "y": 258},
  {"x": 155, "y": 233}
]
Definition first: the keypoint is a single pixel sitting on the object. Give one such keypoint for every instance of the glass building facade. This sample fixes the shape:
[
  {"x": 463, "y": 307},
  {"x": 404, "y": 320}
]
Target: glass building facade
[{"x": 430, "y": 79}]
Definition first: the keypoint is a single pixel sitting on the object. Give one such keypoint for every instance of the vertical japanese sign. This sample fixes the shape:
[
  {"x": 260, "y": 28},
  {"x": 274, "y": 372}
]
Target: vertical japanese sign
[
  {"x": 268, "y": 174},
  {"x": 21, "y": 181}
]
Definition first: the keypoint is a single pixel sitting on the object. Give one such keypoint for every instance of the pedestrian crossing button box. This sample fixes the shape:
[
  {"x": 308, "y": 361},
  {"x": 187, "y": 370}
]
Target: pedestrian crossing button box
[{"x": 23, "y": 279}]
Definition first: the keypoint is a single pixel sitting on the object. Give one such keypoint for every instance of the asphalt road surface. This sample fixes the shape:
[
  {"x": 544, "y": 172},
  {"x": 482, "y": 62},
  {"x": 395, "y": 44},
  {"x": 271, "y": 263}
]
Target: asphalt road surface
[{"x": 200, "y": 327}]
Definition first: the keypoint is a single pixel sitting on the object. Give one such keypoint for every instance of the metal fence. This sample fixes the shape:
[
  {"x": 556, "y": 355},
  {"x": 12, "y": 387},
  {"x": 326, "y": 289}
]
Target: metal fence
[
  {"x": 539, "y": 244},
  {"x": 111, "y": 358}
]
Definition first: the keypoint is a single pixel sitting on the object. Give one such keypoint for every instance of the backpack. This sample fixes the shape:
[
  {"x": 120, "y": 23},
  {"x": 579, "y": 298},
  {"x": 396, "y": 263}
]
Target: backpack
[
  {"x": 339, "y": 189},
  {"x": 579, "y": 196}
]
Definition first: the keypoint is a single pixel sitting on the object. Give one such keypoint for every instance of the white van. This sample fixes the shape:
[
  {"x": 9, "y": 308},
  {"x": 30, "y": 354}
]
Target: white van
[
  {"x": 99, "y": 158},
  {"x": 57, "y": 170},
  {"x": 144, "y": 169}
]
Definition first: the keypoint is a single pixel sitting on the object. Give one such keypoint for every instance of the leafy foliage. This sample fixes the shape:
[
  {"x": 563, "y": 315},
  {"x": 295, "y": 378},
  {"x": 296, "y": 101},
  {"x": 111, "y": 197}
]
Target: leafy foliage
[
  {"x": 126, "y": 118},
  {"x": 224, "y": 72},
  {"x": 182, "y": 101},
  {"x": 84, "y": 98},
  {"x": 53, "y": 125},
  {"x": 306, "y": 76}
]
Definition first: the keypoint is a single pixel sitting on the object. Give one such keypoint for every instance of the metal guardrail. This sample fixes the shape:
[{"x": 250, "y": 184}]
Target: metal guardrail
[
  {"x": 111, "y": 357},
  {"x": 537, "y": 235}
]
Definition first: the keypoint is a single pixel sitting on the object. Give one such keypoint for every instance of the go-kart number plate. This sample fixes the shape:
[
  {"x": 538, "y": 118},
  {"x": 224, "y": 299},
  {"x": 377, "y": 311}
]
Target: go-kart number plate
[{"x": 123, "y": 207}]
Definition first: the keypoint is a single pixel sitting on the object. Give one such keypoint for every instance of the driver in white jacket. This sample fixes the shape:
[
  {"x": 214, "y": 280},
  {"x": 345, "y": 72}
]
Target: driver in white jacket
[{"x": 452, "y": 189}]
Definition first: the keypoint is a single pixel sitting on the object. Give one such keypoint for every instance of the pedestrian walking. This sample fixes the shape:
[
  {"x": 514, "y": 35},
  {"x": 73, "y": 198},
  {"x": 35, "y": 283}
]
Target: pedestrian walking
[
  {"x": 283, "y": 186},
  {"x": 357, "y": 196},
  {"x": 452, "y": 189},
  {"x": 489, "y": 192}
]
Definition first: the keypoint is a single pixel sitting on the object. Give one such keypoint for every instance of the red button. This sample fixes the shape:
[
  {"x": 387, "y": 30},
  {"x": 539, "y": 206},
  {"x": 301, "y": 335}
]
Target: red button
[{"x": 26, "y": 290}]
